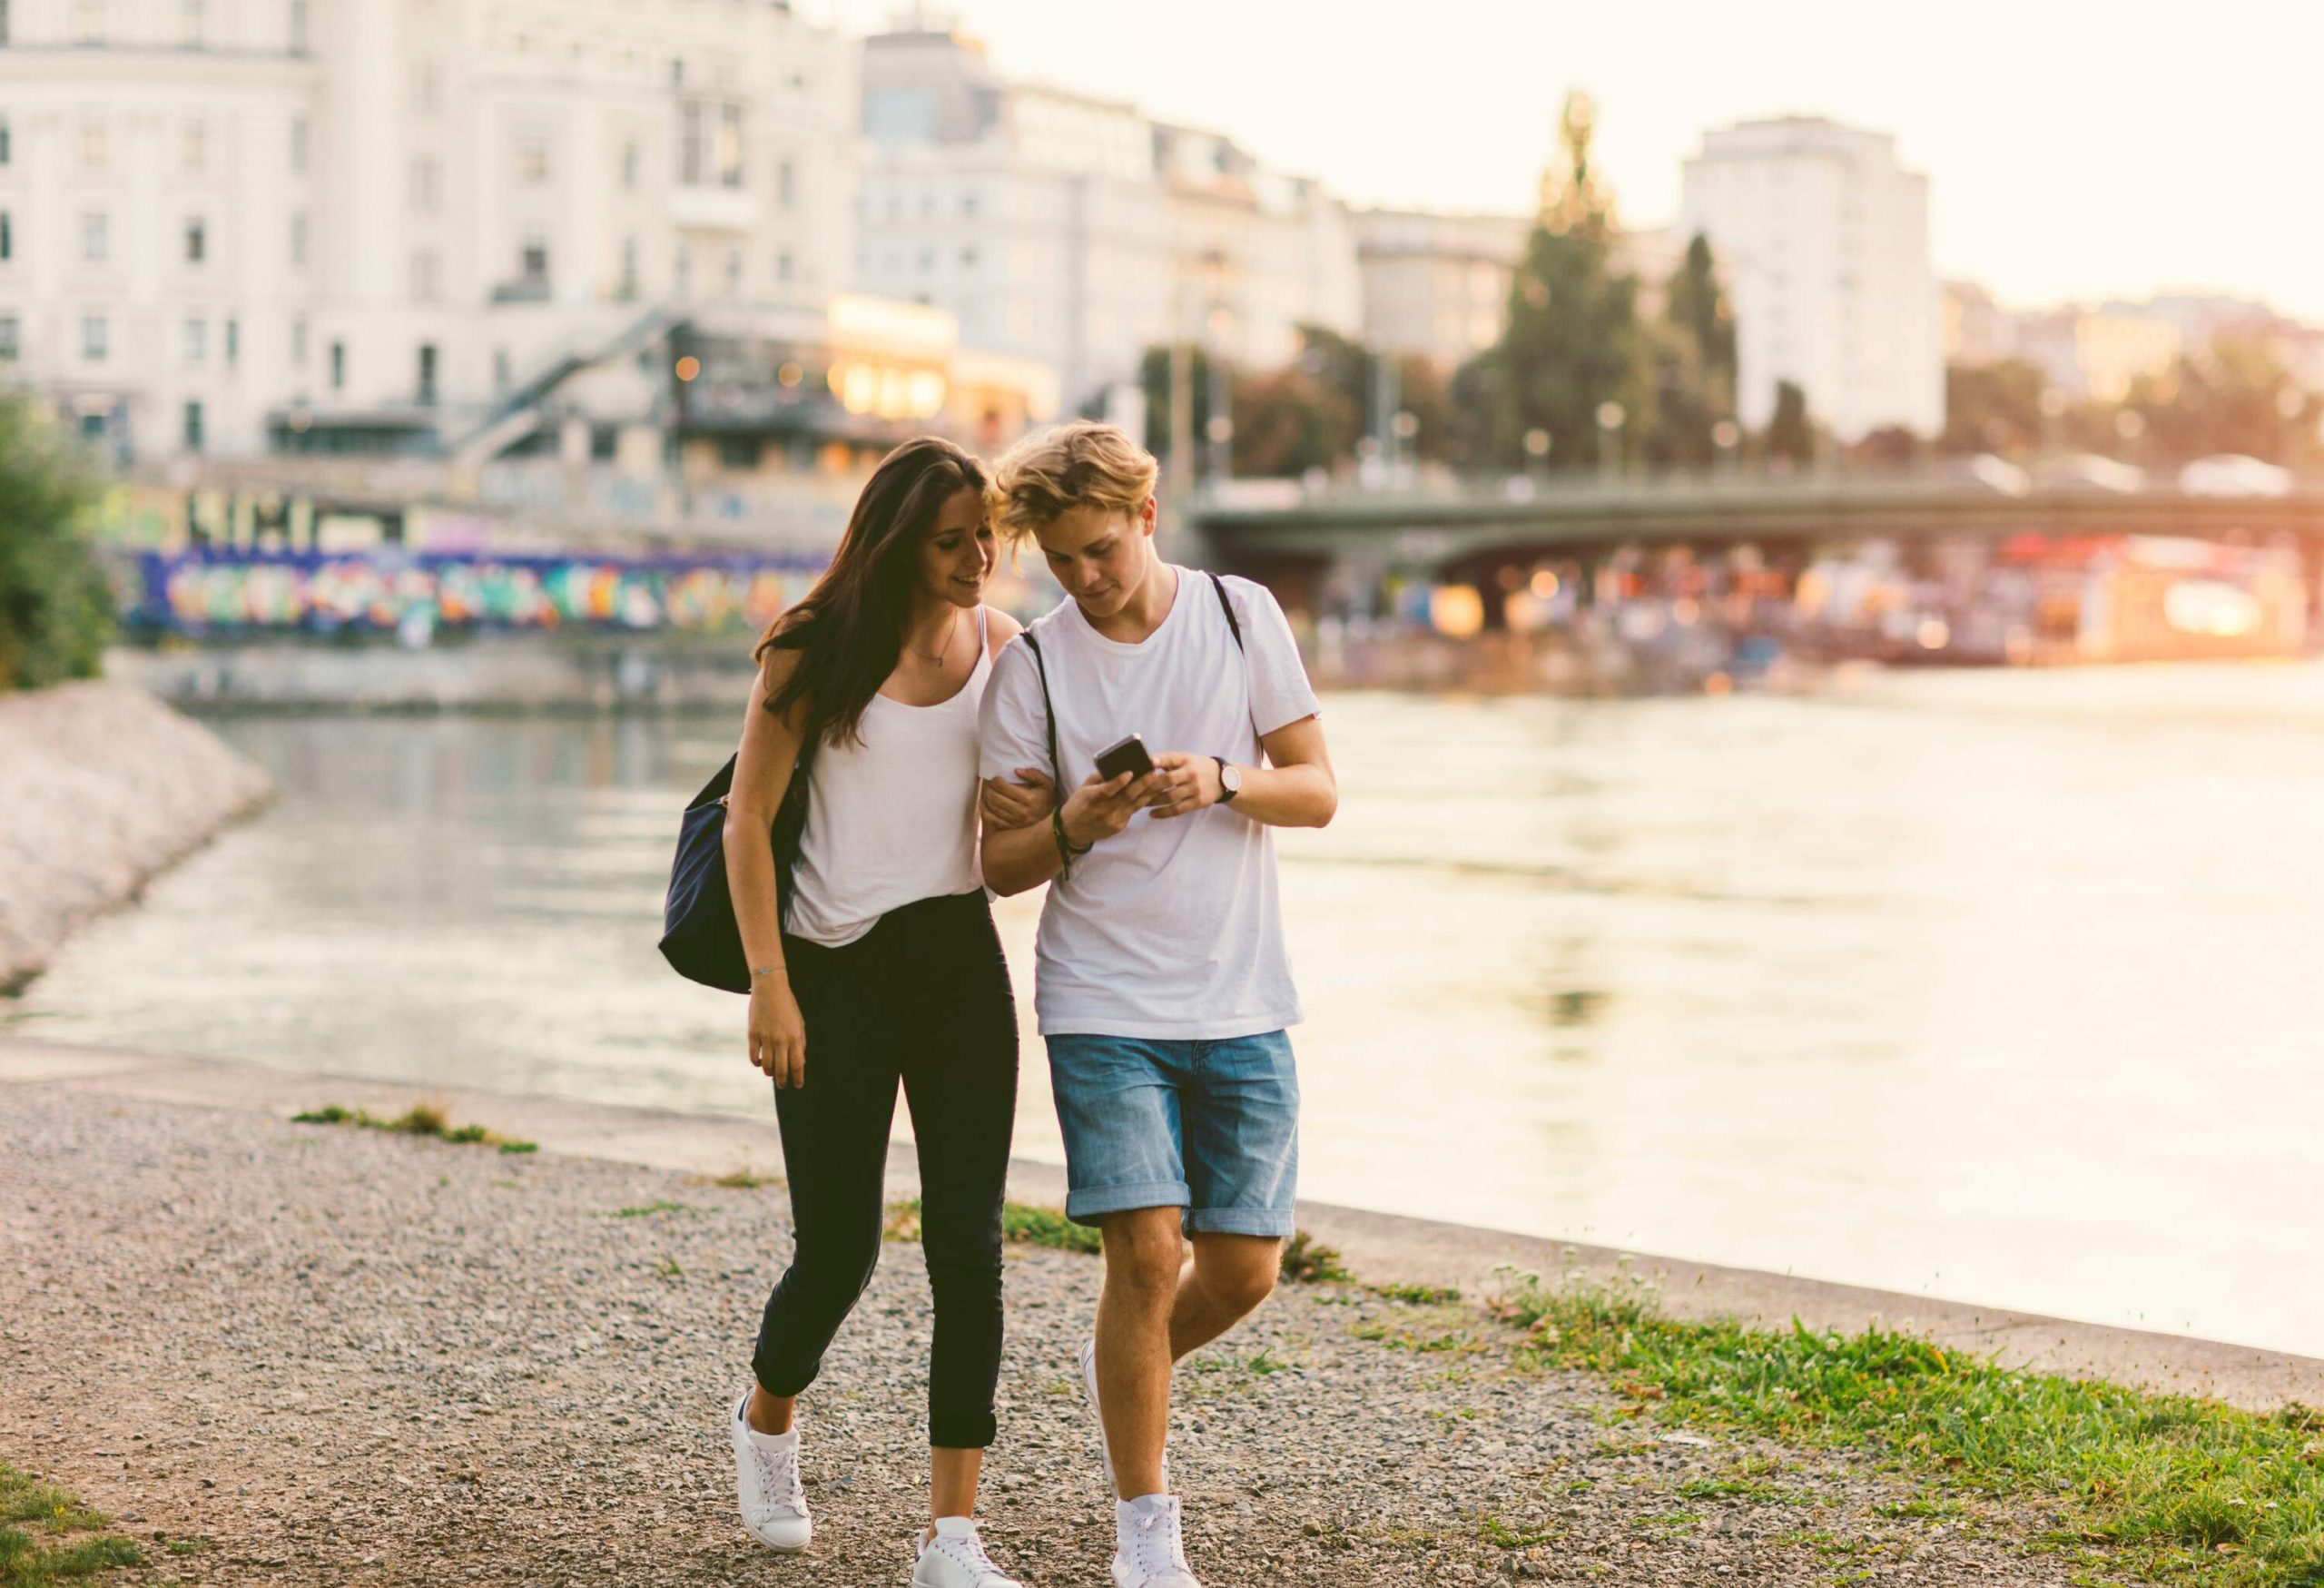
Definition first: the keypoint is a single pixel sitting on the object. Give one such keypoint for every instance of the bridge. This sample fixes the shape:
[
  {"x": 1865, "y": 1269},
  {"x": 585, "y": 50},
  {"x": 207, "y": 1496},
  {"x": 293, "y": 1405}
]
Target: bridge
[{"x": 1455, "y": 533}]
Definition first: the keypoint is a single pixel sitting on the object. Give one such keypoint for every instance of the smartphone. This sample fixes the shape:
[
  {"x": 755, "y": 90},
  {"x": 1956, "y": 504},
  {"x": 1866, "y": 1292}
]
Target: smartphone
[{"x": 1126, "y": 756}]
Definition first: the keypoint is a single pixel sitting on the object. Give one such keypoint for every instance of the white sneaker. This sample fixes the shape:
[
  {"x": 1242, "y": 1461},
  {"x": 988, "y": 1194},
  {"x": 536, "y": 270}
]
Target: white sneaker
[
  {"x": 1087, "y": 1358},
  {"x": 766, "y": 1483},
  {"x": 955, "y": 1558},
  {"x": 1148, "y": 1552}
]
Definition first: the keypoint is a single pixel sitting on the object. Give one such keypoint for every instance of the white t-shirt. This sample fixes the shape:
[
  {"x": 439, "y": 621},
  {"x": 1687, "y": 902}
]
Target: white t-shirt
[{"x": 1171, "y": 929}]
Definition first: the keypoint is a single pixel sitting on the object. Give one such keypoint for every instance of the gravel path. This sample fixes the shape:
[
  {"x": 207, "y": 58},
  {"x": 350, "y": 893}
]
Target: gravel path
[{"x": 326, "y": 1355}]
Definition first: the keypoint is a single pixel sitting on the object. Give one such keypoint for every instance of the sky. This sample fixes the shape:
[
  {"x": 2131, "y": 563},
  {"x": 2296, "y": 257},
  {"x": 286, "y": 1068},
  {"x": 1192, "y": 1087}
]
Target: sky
[{"x": 2075, "y": 151}]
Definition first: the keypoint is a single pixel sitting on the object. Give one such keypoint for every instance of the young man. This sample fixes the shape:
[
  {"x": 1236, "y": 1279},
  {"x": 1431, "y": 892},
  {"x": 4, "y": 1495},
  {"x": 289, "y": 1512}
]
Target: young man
[{"x": 1162, "y": 984}]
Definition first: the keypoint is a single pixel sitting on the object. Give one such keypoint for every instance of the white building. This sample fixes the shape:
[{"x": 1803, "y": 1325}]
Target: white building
[
  {"x": 363, "y": 226},
  {"x": 1437, "y": 285},
  {"x": 1076, "y": 232},
  {"x": 1824, "y": 239}
]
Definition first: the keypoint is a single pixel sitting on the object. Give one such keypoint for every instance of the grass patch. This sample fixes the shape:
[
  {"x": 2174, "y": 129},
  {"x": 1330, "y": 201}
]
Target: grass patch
[
  {"x": 1047, "y": 1227},
  {"x": 1020, "y": 1223},
  {"x": 2180, "y": 1489},
  {"x": 49, "y": 1536},
  {"x": 1308, "y": 1261},
  {"x": 419, "y": 1119},
  {"x": 649, "y": 1209},
  {"x": 1417, "y": 1295},
  {"x": 741, "y": 1180}
]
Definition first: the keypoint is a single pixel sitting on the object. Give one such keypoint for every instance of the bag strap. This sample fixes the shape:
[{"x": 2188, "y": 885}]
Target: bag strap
[
  {"x": 1049, "y": 707},
  {"x": 1234, "y": 625}
]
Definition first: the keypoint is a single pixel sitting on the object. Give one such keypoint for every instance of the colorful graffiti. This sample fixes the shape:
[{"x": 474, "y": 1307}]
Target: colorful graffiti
[{"x": 193, "y": 593}]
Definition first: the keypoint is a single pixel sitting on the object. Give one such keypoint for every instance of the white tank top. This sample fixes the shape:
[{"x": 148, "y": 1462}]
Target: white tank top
[{"x": 893, "y": 819}]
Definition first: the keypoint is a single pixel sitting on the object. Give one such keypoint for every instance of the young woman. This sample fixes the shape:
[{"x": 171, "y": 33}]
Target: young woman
[{"x": 886, "y": 972}]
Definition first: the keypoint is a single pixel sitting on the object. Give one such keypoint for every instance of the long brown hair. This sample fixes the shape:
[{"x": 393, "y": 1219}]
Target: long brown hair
[{"x": 849, "y": 631}]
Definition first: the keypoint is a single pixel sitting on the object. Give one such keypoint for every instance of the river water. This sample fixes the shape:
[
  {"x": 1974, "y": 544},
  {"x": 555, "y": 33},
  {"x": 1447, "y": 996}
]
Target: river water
[{"x": 2005, "y": 987}]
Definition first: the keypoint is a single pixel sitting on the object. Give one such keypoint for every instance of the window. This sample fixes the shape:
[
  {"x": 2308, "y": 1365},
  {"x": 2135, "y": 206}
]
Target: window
[
  {"x": 425, "y": 283},
  {"x": 193, "y": 145},
  {"x": 629, "y": 165},
  {"x": 783, "y": 266},
  {"x": 297, "y": 143},
  {"x": 234, "y": 343},
  {"x": 197, "y": 240},
  {"x": 338, "y": 366},
  {"x": 189, "y": 21},
  {"x": 8, "y": 339},
  {"x": 629, "y": 266},
  {"x": 92, "y": 143},
  {"x": 197, "y": 342},
  {"x": 297, "y": 27},
  {"x": 967, "y": 204},
  {"x": 532, "y": 159},
  {"x": 4, "y": 22},
  {"x": 500, "y": 369},
  {"x": 193, "y": 426},
  {"x": 95, "y": 237},
  {"x": 690, "y": 151},
  {"x": 89, "y": 22},
  {"x": 428, "y": 374},
  {"x": 533, "y": 259},
  {"x": 7, "y": 237},
  {"x": 734, "y": 272},
  {"x": 299, "y": 341},
  {"x": 5, "y": 151},
  {"x": 786, "y": 184},
  {"x": 968, "y": 259},
  {"x": 729, "y": 146},
  {"x": 686, "y": 268},
  {"x": 427, "y": 184},
  {"x": 427, "y": 84},
  {"x": 299, "y": 237},
  {"x": 94, "y": 330}
]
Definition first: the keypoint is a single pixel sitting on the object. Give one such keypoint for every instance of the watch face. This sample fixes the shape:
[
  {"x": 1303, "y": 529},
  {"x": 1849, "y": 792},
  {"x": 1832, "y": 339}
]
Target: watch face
[{"x": 1230, "y": 779}]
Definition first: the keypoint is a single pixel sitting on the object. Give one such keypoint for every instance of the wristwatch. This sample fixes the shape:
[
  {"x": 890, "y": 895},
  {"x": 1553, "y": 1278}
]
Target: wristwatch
[{"x": 1230, "y": 781}]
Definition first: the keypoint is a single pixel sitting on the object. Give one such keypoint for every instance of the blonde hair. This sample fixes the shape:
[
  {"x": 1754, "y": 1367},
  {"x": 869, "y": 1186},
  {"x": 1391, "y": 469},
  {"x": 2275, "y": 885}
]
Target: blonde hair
[{"x": 1084, "y": 464}]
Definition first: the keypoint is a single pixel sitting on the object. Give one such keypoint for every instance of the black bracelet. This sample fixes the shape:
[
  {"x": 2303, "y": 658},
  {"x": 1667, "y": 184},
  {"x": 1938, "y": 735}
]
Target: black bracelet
[{"x": 1066, "y": 848}]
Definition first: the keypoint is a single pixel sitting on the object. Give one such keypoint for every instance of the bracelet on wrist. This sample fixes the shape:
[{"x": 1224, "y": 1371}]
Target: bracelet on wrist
[{"x": 1066, "y": 847}]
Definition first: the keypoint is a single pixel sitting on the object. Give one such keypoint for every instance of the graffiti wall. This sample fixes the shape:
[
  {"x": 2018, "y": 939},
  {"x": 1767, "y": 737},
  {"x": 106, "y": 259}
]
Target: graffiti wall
[{"x": 199, "y": 592}]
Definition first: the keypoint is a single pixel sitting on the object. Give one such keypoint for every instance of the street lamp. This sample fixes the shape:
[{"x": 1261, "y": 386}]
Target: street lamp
[
  {"x": 1725, "y": 437},
  {"x": 1537, "y": 451},
  {"x": 1610, "y": 438}
]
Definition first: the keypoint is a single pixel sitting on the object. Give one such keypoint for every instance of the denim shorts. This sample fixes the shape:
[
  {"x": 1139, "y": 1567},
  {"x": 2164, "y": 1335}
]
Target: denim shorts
[{"x": 1211, "y": 1126}]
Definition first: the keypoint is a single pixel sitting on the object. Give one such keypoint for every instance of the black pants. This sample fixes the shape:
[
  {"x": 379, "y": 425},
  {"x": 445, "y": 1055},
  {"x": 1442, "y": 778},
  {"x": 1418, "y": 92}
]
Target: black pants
[{"x": 922, "y": 999}]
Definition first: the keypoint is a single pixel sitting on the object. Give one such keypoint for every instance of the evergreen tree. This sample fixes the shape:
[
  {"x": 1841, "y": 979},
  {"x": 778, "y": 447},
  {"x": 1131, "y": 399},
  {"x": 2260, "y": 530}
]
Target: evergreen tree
[{"x": 1573, "y": 340}]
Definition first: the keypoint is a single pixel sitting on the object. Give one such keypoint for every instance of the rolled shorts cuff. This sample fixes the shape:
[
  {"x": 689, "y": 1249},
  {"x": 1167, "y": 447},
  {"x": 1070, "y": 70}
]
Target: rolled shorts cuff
[
  {"x": 1264, "y": 1221},
  {"x": 1089, "y": 1204}
]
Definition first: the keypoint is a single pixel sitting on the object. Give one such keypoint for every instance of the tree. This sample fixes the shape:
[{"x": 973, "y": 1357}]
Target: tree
[
  {"x": 2234, "y": 396},
  {"x": 1573, "y": 342},
  {"x": 1791, "y": 434},
  {"x": 1992, "y": 407},
  {"x": 56, "y": 611},
  {"x": 1694, "y": 363}
]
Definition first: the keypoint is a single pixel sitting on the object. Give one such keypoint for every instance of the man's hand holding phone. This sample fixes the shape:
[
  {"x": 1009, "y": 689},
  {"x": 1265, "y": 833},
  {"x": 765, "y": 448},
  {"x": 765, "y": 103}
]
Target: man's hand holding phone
[{"x": 1102, "y": 807}]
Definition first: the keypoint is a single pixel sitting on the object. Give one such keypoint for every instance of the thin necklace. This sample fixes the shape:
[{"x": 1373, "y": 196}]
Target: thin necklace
[{"x": 951, "y": 629}]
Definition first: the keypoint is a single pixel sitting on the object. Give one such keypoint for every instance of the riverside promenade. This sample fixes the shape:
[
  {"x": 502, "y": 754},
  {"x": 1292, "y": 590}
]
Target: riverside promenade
[{"x": 301, "y": 1354}]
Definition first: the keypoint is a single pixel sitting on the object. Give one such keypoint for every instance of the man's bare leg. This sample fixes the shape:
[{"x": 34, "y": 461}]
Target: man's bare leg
[
  {"x": 1143, "y": 1251},
  {"x": 1230, "y": 1275}
]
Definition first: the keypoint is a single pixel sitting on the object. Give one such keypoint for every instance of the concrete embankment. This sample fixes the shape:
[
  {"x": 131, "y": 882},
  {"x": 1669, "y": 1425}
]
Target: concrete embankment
[{"x": 101, "y": 787}]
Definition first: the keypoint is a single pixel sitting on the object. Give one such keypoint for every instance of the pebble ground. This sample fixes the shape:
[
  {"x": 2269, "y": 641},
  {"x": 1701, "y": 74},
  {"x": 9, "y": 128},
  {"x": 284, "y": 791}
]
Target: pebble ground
[{"x": 282, "y": 1353}]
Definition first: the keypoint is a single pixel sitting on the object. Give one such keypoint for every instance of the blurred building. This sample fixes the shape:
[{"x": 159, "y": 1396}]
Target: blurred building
[
  {"x": 1076, "y": 232},
  {"x": 460, "y": 229},
  {"x": 1437, "y": 285},
  {"x": 1974, "y": 329},
  {"x": 1825, "y": 240},
  {"x": 2095, "y": 354}
]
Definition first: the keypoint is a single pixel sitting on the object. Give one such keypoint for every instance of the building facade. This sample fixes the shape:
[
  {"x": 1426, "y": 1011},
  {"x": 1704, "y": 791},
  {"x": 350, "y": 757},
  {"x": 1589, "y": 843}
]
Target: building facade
[
  {"x": 1824, "y": 240},
  {"x": 1435, "y": 285},
  {"x": 235, "y": 226},
  {"x": 1076, "y": 232}
]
